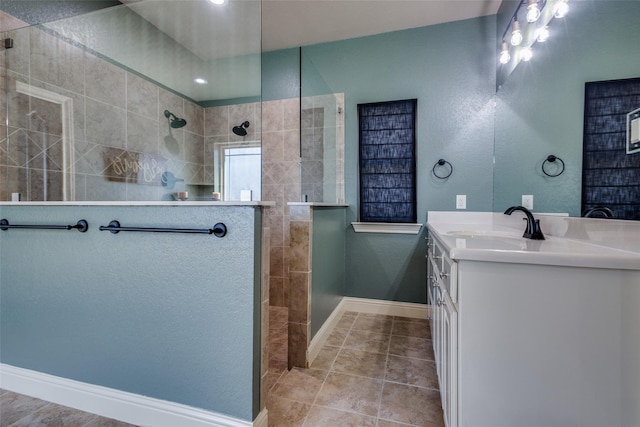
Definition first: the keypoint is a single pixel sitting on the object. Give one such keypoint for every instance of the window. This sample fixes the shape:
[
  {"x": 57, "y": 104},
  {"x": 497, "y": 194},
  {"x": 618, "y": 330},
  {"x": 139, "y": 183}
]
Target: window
[
  {"x": 236, "y": 164},
  {"x": 387, "y": 139}
]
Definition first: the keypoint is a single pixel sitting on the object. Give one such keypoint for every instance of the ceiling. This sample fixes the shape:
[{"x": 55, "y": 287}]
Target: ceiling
[
  {"x": 222, "y": 43},
  {"x": 291, "y": 23}
]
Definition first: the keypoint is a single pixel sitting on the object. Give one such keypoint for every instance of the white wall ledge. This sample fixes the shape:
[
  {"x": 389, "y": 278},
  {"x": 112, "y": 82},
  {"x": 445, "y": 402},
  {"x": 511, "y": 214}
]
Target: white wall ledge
[
  {"x": 386, "y": 227},
  {"x": 135, "y": 203},
  {"x": 319, "y": 204}
]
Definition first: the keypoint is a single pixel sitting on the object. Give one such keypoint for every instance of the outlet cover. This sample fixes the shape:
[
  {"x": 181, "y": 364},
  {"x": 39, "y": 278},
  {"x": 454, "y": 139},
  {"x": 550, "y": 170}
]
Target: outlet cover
[
  {"x": 461, "y": 201},
  {"x": 527, "y": 201}
]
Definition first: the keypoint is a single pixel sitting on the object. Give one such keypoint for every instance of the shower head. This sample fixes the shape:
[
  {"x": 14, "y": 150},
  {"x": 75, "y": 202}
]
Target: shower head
[
  {"x": 174, "y": 122},
  {"x": 241, "y": 130}
]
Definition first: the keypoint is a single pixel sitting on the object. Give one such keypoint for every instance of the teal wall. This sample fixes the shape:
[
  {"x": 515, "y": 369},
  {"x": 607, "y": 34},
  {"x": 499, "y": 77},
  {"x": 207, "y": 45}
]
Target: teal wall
[
  {"x": 281, "y": 74},
  {"x": 328, "y": 263},
  {"x": 450, "y": 69},
  {"x": 170, "y": 316},
  {"x": 540, "y": 108}
]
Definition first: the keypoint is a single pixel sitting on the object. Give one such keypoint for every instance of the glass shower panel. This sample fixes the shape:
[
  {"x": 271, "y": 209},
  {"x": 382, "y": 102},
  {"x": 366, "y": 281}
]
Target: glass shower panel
[
  {"x": 321, "y": 138},
  {"x": 112, "y": 104}
]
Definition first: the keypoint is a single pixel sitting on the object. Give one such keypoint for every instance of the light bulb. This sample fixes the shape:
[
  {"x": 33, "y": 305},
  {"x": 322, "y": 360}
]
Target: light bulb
[
  {"x": 516, "y": 35},
  {"x": 561, "y": 9},
  {"x": 533, "y": 12},
  {"x": 543, "y": 34},
  {"x": 504, "y": 54},
  {"x": 526, "y": 54}
]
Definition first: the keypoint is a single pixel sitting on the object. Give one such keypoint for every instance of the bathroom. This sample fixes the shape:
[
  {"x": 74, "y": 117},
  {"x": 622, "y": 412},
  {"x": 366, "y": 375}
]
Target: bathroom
[{"x": 450, "y": 68}]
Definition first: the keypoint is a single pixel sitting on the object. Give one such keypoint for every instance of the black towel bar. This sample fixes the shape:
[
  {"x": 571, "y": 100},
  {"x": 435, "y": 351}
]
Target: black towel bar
[
  {"x": 218, "y": 230},
  {"x": 81, "y": 226}
]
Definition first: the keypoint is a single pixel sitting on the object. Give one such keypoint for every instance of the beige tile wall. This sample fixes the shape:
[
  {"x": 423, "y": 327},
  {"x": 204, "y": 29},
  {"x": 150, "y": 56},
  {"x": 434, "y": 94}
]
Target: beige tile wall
[
  {"x": 280, "y": 183},
  {"x": 116, "y": 114},
  {"x": 300, "y": 285}
]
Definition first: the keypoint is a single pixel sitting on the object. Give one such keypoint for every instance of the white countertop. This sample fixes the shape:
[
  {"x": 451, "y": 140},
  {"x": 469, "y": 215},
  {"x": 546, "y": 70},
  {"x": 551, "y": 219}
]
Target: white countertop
[{"x": 572, "y": 242}]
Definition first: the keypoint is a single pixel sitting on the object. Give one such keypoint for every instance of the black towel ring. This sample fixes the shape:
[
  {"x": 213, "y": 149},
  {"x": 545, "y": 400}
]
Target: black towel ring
[
  {"x": 442, "y": 162},
  {"x": 552, "y": 159}
]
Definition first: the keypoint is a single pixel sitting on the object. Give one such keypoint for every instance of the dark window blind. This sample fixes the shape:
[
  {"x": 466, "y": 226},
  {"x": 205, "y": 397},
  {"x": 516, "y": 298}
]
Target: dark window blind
[
  {"x": 610, "y": 176},
  {"x": 387, "y": 138}
]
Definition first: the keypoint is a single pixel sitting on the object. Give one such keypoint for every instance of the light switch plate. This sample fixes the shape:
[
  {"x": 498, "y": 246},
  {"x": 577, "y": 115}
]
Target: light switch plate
[
  {"x": 461, "y": 201},
  {"x": 527, "y": 201}
]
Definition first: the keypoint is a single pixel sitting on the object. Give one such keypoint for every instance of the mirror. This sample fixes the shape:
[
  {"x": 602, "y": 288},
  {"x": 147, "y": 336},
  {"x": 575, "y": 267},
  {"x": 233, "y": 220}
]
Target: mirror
[
  {"x": 151, "y": 88},
  {"x": 540, "y": 105}
]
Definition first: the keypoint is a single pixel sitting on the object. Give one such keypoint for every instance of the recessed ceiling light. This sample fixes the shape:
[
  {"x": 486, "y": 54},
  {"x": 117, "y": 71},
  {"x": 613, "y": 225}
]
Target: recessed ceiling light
[
  {"x": 200, "y": 81},
  {"x": 218, "y": 2}
]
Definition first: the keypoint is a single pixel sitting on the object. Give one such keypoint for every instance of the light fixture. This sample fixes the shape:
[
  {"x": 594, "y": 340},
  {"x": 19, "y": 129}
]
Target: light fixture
[
  {"x": 533, "y": 12},
  {"x": 561, "y": 9},
  {"x": 543, "y": 34},
  {"x": 218, "y": 2},
  {"x": 504, "y": 54},
  {"x": 516, "y": 34},
  {"x": 200, "y": 81},
  {"x": 526, "y": 54}
]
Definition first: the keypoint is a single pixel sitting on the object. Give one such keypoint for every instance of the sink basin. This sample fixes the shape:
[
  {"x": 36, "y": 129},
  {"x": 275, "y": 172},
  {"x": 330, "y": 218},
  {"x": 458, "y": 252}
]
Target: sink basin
[{"x": 479, "y": 234}]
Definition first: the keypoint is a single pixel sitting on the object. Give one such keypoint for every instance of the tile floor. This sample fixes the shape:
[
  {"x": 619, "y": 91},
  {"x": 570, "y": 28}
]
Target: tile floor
[
  {"x": 374, "y": 370},
  {"x": 17, "y": 410}
]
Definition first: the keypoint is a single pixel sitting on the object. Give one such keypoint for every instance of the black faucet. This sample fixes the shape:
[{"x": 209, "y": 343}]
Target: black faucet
[{"x": 533, "y": 225}]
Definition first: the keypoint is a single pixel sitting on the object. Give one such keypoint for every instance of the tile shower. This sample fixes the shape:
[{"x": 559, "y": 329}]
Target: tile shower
[{"x": 116, "y": 116}]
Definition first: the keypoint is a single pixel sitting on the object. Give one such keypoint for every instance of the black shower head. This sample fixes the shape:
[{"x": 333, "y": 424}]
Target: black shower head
[
  {"x": 241, "y": 130},
  {"x": 174, "y": 122}
]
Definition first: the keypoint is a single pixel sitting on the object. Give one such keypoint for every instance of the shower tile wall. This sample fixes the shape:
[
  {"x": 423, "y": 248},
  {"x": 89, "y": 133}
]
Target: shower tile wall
[
  {"x": 217, "y": 129},
  {"x": 280, "y": 183},
  {"x": 117, "y": 115}
]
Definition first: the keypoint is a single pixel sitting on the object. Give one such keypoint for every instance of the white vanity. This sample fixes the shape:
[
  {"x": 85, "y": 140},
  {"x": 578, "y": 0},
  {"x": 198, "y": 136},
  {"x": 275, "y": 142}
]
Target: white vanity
[{"x": 535, "y": 333}]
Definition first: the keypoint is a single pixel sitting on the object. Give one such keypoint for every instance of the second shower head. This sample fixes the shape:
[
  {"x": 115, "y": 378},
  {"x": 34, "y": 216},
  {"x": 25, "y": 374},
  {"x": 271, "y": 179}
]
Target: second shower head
[
  {"x": 174, "y": 122},
  {"x": 241, "y": 130}
]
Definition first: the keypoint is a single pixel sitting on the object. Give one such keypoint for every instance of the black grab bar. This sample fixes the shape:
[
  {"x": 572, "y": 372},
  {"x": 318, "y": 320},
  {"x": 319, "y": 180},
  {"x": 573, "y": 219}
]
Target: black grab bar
[
  {"x": 81, "y": 226},
  {"x": 218, "y": 230}
]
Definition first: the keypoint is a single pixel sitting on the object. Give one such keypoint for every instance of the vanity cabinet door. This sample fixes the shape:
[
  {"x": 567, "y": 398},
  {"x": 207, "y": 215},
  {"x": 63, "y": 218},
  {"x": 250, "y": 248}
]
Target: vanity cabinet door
[{"x": 449, "y": 359}]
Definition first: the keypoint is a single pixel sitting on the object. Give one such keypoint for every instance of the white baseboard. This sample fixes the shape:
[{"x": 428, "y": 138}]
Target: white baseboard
[
  {"x": 389, "y": 308},
  {"x": 325, "y": 330},
  {"x": 116, "y": 404},
  {"x": 364, "y": 305}
]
